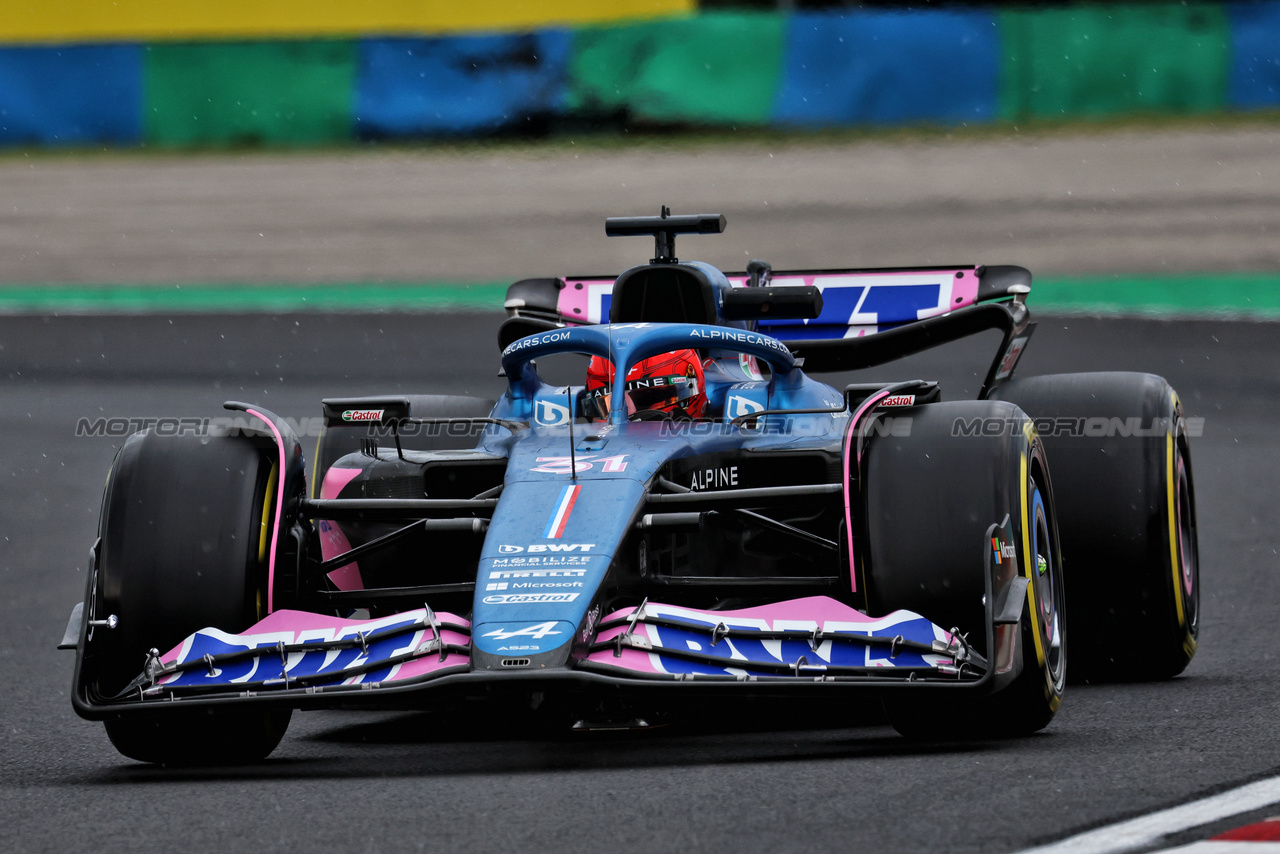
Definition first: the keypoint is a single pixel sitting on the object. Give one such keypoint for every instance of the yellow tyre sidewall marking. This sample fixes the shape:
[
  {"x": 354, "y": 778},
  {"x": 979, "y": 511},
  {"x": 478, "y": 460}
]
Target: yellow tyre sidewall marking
[
  {"x": 268, "y": 502},
  {"x": 1029, "y": 558},
  {"x": 1172, "y": 501},
  {"x": 1051, "y": 693},
  {"x": 264, "y": 531},
  {"x": 315, "y": 467},
  {"x": 1175, "y": 540}
]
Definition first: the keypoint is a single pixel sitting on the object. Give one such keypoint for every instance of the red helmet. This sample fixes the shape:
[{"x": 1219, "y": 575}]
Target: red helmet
[{"x": 670, "y": 382}]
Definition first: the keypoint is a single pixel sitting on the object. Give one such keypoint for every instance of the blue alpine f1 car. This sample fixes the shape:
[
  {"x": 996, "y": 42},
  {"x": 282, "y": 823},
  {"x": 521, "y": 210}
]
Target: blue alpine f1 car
[{"x": 700, "y": 519}]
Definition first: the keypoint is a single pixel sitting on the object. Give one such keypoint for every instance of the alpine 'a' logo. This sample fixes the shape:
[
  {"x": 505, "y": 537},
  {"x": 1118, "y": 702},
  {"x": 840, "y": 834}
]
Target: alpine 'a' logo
[{"x": 539, "y": 631}]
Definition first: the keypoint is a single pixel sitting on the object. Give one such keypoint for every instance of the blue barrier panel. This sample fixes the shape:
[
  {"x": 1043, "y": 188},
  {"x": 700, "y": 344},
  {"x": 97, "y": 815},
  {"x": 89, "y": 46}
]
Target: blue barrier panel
[
  {"x": 868, "y": 67},
  {"x": 459, "y": 85},
  {"x": 1254, "y": 77},
  {"x": 70, "y": 95}
]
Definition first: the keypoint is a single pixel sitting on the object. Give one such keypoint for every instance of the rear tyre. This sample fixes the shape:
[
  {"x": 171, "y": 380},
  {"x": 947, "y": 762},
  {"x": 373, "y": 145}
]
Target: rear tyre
[
  {"x": 930, "y": 498},
  {"x": 185, "y": 529},
  {"x": 336, "y": 442},
  {"x": 1135, "y": 593}
]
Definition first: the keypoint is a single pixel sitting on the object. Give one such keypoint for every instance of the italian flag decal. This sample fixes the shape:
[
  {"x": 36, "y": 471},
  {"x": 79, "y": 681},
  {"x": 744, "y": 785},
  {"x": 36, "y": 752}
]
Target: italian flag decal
[{"x": 560, "y": 516}]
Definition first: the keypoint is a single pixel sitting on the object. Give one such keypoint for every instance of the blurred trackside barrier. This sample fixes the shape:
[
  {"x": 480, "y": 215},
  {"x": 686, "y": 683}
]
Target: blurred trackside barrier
[
  {"x": 148, "y": 21},
  {"x": 177, "y": 75},
  {"x": 1254, "y": 296}
]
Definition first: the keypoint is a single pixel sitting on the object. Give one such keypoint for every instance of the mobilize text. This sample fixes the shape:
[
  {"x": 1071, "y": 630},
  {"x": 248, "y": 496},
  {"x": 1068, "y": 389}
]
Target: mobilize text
[{"x": 542, "y": 561}]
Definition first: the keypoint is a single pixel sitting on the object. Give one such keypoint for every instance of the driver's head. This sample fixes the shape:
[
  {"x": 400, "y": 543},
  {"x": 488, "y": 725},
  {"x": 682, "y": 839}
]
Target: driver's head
[{"x": 670, "y": 382}]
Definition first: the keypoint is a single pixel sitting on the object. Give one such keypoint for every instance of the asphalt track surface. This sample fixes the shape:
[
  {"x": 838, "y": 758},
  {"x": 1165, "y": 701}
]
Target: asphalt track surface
[
  {"x": 1192, "y": 199},
  {"x": 496, "y": 780}
]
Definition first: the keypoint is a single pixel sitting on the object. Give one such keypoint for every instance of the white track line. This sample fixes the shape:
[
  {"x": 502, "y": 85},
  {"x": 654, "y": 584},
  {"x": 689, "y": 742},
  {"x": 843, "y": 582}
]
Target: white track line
[{"x": 1149, "y": 829}]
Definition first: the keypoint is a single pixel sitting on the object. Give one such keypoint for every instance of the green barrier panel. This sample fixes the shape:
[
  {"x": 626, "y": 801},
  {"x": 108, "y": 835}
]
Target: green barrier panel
[
  {"x": 1248, "y": 295},
  {"x": 1092, "y": 61},
  {"x": 237, "y": 93},
  {"x": 717, "y": 68},
  {"x": 239, "y": 297}
]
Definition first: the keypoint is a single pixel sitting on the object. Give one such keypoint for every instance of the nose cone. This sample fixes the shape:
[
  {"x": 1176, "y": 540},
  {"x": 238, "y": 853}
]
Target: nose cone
[{"x": 521, "y": 645}]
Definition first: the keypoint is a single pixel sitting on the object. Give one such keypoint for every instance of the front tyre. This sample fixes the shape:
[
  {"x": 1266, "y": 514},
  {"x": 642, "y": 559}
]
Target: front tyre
[
  {"x": 184, "y": 537},
  {"x": 930, "y": 497}
]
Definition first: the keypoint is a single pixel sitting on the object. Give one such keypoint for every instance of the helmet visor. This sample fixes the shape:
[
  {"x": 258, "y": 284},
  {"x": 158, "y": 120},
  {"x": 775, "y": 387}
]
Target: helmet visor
[{"x": 664, "y": 393}]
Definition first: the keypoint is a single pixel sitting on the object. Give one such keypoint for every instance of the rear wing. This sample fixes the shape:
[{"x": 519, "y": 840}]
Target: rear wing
[
  {"x": 868, "y": 316},
  {"x": 855, "y": 303}
]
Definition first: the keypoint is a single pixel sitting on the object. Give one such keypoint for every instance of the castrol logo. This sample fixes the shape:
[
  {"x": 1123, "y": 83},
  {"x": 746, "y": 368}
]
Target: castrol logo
[{"x": 363, "y": 414}]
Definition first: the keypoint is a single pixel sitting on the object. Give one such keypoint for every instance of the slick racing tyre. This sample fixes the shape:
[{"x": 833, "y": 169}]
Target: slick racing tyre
[
  {"x": 1126, "y": 507},
  {"x": 184, "y": 534},
  {"x": 930, "y": 498},
  {"x": 336, "y": 442}
]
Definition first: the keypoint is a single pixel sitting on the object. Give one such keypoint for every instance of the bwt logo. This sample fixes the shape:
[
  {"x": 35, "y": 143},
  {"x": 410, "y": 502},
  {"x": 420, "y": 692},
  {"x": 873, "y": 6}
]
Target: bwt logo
[
  {"x": 542, "y": 548},
  {"x": 738, "y": 406},
  {"x": 551, "y": 414}
]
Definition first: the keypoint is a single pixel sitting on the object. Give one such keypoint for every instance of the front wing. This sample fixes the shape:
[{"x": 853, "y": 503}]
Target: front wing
[{"x": 308, "y": 660}]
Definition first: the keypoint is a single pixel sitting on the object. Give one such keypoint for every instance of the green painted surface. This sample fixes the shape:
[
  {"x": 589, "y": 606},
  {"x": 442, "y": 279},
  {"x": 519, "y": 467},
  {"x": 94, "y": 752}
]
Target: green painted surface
[
  {"x": 195, "y": 298},
  {"x": 1092, "y": 61},
  {"x": 248, "y": 93},
  {"x": 1253, "y": 295},
  {"x": 716, "y": 68}
]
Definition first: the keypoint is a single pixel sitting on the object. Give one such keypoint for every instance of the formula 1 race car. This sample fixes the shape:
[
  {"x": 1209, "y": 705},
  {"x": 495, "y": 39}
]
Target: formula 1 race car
[{"x": 701, "y": 519}]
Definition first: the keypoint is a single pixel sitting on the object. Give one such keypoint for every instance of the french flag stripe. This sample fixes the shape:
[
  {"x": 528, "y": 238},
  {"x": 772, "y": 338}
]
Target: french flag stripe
[{"x": 564, "y": 506}]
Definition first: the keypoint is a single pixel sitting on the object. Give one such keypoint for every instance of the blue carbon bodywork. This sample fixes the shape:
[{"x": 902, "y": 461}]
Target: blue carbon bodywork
[{"x": 535, "y": 579}]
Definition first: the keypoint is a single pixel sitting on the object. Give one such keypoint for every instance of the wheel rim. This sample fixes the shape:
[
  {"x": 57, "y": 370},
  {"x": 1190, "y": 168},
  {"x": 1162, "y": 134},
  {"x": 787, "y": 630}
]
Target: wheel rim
[
  {"x": 1187, "y": 552},
  {"x": 1048, "y": 588}
]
